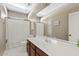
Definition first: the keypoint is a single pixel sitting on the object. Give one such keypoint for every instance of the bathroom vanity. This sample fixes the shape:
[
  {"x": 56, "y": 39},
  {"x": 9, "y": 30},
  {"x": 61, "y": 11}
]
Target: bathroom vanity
[
  {"x": 33, "y": 50},
  {"x": 42, "y": 46}
]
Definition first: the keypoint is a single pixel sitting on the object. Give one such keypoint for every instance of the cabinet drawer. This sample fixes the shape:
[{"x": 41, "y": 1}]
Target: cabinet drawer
[{"x": 40, "y": 52}]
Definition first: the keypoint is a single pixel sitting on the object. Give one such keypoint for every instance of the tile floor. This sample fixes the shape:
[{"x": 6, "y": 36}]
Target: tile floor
[{"x": 18, "y": 51}]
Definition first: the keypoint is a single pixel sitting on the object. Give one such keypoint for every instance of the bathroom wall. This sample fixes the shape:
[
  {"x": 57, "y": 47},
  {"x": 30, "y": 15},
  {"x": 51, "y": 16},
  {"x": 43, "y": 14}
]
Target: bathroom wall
[
  {"x": 2, "y": 37},
  {"x": 3, "y": 14},
  {"x": 16, "y": 14},
  {"x": 59, "y": 30}
]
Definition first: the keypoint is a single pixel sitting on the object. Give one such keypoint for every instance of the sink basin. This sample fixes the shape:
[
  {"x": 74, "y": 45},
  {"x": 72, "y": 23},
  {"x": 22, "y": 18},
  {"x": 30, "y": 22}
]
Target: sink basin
[
  {"x": 50, "y": 40},
  {"x": 47, "y": 40}
]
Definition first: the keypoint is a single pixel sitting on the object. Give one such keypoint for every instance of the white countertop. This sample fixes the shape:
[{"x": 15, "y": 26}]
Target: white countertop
[{"x": 55, "y": 47}]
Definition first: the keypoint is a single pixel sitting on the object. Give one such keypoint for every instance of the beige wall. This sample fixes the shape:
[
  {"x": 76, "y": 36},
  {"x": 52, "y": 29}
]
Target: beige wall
[
  {"x": 16, "y": 14},
  {"x": 2, "y": 29},
  {"x": 61, "y": 30},
  {"x": 2, "y": 38}
]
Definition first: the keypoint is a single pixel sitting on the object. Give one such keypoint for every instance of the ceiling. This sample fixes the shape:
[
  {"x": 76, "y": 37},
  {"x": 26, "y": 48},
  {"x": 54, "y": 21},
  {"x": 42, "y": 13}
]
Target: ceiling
[
  {"x": 49, "y": 9},
  {"x": 20, "y": 7},
  {"x": 28, "y": 7}
]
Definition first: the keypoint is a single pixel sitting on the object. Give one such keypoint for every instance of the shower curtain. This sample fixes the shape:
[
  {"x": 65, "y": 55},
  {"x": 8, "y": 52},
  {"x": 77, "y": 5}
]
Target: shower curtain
[{"x": 16, "y": 32}]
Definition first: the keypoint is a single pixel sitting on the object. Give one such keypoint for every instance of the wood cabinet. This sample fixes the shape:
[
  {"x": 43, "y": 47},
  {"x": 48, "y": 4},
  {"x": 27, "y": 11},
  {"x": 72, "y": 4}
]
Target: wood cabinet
[
  {"x": 40, "y": 52},
  {"x": 28, "y": 47},
  {"x": 33, "y": 50}
]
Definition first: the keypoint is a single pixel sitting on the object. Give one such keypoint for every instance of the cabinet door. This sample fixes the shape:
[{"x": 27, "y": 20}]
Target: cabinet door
[
  {"x": 37, "y": 54},
  {"x": 32, "y": 52},
  {"x": 40, "y": 52},
  {"x": 28, "y": 47},
  {"x": 32, "y": 45}
]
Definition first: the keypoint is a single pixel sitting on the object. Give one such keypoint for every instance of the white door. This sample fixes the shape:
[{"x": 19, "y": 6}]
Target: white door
[
  {"x": 16, "y": 32},
  {"x": 39, "y": 29},
  {"x": 74, "y": 27}
]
